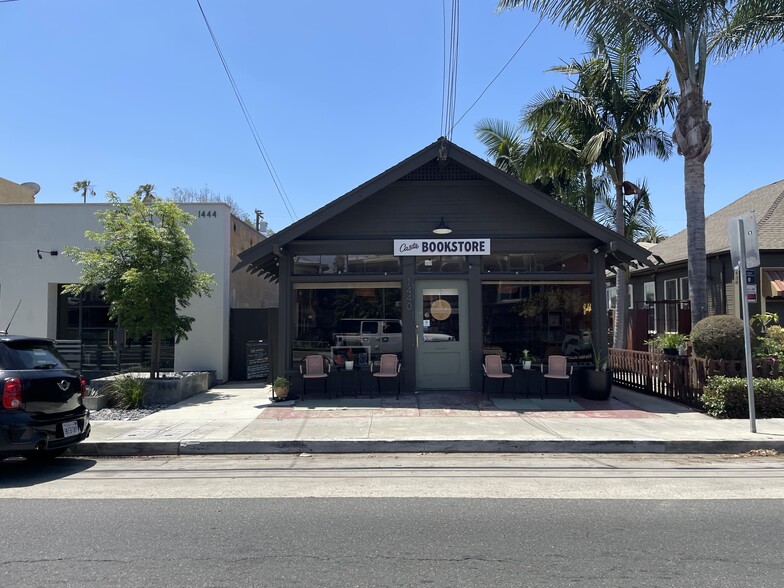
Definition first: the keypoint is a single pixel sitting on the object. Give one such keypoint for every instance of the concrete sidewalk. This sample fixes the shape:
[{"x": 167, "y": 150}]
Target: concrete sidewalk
[{"x": 238, "y": 418}]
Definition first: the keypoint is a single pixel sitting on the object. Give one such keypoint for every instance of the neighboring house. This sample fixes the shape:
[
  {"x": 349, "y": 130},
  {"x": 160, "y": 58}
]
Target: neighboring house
[
  {"x": 458, "y": 255},
  {"x": 13, "y": 193},
  {"x": 33, "y": 270},
  {"x": 662, "y": 292}
]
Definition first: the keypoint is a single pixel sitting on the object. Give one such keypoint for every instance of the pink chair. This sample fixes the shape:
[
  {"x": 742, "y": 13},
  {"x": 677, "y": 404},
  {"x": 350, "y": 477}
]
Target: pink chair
[
  {"x": 389, "y": 367},
  {"x": 558, "y": 368},
  {"x": 494, "y": 369},
  {"x": 314, "y": 367}
]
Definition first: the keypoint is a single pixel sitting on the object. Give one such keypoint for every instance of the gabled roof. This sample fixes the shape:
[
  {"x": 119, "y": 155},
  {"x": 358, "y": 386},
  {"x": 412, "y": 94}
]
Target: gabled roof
[
  {"x": 767, "y": 203},
  {"x": 260, "y": 256}
]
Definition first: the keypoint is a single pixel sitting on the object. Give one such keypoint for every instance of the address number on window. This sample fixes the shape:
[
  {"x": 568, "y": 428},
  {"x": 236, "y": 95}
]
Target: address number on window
[{"x": 207, "y": 214}]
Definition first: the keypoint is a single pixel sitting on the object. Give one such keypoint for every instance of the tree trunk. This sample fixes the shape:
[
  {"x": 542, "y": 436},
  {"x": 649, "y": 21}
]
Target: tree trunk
[
  {"x": 693, "y": 136},
  {"x": 155, "y": 354},
  {"x": 622, "y": 308}
]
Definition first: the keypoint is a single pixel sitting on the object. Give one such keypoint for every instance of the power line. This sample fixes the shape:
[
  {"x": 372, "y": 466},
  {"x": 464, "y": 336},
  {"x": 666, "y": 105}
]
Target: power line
[
  {"x": 259, "y": 144},
  {"x": 498, "y": 74},
  {"x": 449, "y": 78}
]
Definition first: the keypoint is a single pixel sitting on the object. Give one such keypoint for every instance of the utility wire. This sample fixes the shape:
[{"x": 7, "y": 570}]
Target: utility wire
[
  {"x": 498, "y": 74},
  {"x": 449, "y": 78},
  {"x": 259, "y": 144}
]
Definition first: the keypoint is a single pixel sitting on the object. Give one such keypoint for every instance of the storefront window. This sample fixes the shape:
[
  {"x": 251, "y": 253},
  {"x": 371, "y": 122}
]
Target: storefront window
[
  {"x": 563, "y": 262},
  {"x": 357, "y": 319},
  {"x": 313, "y": 265},
  {"x": 545, "y": 319},
  {"x": 439, "y": 264},
  {"x": 105, "y": 347}
]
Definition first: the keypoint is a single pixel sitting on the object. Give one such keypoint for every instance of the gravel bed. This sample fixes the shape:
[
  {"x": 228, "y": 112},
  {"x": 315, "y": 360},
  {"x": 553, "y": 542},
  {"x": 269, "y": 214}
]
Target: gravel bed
[{"x": 119, "y": 414}]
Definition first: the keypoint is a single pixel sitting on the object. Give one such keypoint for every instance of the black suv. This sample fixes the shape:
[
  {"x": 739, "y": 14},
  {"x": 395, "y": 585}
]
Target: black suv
[{"x": 42, "y": 412}]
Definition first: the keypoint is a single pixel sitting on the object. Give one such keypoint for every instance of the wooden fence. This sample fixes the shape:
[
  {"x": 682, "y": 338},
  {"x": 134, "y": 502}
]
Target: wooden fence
[{"x": 679, "y": 378}]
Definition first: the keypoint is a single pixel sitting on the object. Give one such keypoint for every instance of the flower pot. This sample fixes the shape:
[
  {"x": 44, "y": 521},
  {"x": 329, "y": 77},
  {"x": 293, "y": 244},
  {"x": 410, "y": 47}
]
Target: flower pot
[
  {"x": 527, "y": 365},
  {"x": 349, "y": 364},
  {"x": 672, "y": 351},
  {"x": 596, "y": 384},
  {"x": 280, "y": 392}
]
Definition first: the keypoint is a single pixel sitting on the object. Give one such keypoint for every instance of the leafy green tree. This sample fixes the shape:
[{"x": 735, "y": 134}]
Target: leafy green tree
[
  {"x": 85, "y": 187},
  {"x": 142, "y": 266},
  {"x": 690, "y": 33}
]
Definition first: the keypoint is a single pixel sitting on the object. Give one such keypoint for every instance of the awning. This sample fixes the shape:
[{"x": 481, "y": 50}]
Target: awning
[{"x": 776, "y": 280}]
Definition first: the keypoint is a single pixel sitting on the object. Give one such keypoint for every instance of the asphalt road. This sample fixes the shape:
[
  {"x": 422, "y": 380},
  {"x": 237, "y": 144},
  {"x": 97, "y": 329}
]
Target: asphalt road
[{"x": 106, "y": 523}]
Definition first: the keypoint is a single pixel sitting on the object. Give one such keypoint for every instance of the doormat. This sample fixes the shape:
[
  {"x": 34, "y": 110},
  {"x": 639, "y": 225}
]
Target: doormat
[
  {"x": 536, "y": 404},
  {"x": 338, "y": 404}
]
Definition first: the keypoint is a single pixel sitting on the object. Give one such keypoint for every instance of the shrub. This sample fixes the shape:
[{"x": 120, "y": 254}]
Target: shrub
[
  {"x": 727, "y": 398},
  {"x": 771, "y": 344},
  {"x": 126, "y": 392},
  {"x": 718, "y": 337}
]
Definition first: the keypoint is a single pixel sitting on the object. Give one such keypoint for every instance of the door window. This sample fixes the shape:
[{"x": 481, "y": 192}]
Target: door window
[{"x": 440, "y": 315}]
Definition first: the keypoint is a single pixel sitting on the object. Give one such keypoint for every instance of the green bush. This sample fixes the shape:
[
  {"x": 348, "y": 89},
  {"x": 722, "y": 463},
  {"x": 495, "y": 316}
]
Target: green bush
[
  {"x": 771, "y": 344},
  {"x": 727, "y": 398},
  {"x": 125, "y": 392},
  {"x": 718, "y": 337}
]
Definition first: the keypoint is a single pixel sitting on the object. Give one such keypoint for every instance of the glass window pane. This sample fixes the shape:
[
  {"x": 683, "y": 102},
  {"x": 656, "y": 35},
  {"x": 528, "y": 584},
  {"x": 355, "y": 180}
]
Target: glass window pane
[
  {"x": 544, "y": 319},
  {"x": 441, "y": 315}
]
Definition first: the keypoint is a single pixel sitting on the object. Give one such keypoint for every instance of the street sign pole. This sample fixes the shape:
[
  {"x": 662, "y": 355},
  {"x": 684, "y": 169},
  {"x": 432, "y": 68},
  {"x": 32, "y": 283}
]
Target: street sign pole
[{"x": 746, "y": 328}]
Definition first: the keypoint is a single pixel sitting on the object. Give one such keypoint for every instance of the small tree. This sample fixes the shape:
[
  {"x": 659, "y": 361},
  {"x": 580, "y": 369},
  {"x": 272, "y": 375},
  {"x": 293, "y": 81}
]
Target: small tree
[{"x": 143, "y": 269}]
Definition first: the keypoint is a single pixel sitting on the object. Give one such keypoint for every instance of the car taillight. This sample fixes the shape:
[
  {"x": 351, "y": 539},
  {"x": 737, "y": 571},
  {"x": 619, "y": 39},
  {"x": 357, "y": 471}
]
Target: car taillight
[
  {"x": 83, "y": 384},
  {"x": 12, "y": 393}
]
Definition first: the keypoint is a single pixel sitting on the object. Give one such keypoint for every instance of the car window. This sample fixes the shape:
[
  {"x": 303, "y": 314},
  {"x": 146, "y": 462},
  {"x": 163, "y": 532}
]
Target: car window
[
  {"x": 30, "y": 355},
  {"x": 393, "y": 327},
  {"x": 369, "y": 327}
]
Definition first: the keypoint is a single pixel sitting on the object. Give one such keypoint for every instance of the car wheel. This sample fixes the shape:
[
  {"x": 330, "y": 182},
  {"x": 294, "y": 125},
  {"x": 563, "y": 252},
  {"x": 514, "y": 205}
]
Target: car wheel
[{"x": 46, "y": 455}]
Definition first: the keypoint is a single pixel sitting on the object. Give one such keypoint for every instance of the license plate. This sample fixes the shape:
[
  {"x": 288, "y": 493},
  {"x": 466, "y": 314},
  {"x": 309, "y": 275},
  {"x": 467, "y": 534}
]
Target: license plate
[{"x": 70, "y": 429}]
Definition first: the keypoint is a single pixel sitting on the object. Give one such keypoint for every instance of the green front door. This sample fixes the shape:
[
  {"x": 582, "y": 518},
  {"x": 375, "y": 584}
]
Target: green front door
[{"x": 442, "y": 335}]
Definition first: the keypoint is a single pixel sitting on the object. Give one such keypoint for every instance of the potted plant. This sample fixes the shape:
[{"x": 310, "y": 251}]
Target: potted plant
[
  {"x": 280, "y": 388},
  {"x": 350, "y": 360},
  {"x": 668, "y": 343},
  {"x": 526, "y": 359},
  {"x": 597, "y": 382}
]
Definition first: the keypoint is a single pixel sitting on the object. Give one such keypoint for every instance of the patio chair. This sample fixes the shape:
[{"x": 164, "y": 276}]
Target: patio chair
[
  {"x": 558, "y": 368},
  {"x": 314, "y": 367},
  {"x": 493, "y": 368},
  {"x": 389, "y": 367}
]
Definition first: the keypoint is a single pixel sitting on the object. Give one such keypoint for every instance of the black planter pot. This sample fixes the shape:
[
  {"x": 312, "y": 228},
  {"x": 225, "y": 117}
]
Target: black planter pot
[
  {"x": 673, "y": 351},
  {"x": 596, "y": 385}
]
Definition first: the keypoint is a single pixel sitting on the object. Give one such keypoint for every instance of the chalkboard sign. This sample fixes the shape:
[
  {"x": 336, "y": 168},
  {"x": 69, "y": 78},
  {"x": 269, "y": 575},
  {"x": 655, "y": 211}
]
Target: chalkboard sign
[{"x": 257, "y": 359}]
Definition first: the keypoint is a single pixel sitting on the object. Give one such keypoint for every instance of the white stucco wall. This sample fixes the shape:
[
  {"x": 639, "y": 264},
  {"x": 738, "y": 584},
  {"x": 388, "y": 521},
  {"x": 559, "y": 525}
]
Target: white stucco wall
[{"x": 25, "y": 228}]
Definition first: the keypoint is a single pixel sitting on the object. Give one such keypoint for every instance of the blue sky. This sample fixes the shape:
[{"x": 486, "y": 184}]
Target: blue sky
[{"x": 131, "y": 92}]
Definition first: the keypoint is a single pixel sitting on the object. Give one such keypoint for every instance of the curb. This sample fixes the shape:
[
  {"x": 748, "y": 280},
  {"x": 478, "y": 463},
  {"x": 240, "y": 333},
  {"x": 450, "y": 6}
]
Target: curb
[{"x": 250, "y": 447}]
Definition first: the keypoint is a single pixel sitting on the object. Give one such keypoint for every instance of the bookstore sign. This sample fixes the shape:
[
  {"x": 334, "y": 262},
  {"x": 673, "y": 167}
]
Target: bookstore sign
[{"x": 441, "y": 247}]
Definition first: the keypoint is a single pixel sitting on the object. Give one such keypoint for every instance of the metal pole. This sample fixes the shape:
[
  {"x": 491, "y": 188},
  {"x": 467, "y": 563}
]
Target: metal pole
[{"x": 746, "y": 332}]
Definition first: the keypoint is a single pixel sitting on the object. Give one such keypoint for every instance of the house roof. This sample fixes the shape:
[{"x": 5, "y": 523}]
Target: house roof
[
  {"x": 261, "y": 257},
  {"x": 768, "y": 204}
]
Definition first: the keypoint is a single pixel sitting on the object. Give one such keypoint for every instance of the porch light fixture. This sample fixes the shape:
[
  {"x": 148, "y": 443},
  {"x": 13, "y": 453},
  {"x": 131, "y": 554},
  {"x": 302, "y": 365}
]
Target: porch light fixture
[
  {"x": 442, "y": 228},
  {"x": 40, "y": 251}
]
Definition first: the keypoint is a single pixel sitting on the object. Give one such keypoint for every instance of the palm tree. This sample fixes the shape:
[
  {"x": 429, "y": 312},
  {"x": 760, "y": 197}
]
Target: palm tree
[
  {"x": 541, "y": 161},
  {"x": 653, "y": 234},
  {"x": 690, "y": 33},
  {"x": 617, "y": 120},
  {"x": 638, "y": 216},
  {"x": 85, "y": 187}
]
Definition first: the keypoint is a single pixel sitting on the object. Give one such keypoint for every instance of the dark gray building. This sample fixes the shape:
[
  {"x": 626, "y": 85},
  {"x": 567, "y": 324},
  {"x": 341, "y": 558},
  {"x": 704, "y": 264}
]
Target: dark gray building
[
  {"x": 662, "y": 291},
  {"x": 440, "y": 259}
]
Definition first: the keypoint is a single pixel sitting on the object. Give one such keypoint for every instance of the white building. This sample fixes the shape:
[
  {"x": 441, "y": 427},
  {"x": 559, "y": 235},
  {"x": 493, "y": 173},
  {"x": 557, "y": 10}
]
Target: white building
[{"x": 32, "y": 269}]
